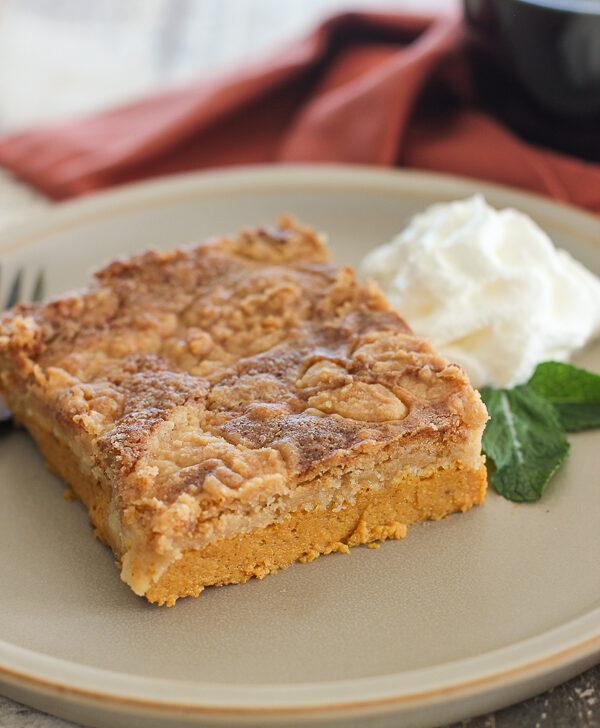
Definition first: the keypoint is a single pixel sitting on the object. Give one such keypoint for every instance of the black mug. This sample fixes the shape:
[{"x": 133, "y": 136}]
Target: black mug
[{"x": 552, "y": 46}]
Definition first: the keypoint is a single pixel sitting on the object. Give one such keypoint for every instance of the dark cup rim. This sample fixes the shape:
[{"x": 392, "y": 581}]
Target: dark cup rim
[{"x": 571, "y": 7}]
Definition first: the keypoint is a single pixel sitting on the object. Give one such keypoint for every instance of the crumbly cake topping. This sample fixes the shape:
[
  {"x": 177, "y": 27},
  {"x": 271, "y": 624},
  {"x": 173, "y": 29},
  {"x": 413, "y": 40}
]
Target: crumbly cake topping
[{"x": 226, "y": 372}]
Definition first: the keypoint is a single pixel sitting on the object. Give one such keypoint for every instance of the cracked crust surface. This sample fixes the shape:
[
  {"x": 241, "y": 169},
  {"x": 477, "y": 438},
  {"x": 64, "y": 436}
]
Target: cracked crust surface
[{"x": 210, "y": 385}]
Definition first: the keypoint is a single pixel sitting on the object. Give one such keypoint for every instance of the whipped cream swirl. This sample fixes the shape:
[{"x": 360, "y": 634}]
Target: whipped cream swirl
[{"x": 489, "y": 289}]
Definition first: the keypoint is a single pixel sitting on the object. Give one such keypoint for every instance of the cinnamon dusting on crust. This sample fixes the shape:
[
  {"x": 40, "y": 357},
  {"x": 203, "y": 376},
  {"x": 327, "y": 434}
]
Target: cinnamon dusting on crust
[{"x": 218, "y": 376}]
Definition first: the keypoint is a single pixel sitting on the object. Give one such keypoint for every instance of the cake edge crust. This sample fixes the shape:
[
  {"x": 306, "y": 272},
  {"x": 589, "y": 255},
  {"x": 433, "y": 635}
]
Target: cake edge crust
[
  {"x": 374, "y": 515},
  {"x": 303, "y": 536}
]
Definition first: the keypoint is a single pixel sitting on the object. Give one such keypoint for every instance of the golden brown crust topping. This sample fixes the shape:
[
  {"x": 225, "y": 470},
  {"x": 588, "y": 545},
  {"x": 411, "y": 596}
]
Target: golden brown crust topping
[{"x": 228, "y": 371}]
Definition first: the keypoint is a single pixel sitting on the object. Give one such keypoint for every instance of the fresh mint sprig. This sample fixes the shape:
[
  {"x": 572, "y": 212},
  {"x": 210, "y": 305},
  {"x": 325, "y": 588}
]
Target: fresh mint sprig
[
  {"x": 524, "y": 440},
  {"x": 574, "y": 393}
]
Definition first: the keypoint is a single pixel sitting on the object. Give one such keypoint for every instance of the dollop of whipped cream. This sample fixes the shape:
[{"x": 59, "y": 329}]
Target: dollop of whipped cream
[{"x": 489, "y": 289}]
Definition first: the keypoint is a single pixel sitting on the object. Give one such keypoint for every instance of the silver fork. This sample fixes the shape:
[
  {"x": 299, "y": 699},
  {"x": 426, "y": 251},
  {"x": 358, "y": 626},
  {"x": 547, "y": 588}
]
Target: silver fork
[{"x": 14, "y": 296}]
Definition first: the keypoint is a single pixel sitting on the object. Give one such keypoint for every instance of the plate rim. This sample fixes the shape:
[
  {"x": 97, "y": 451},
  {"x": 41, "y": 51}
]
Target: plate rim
[
  {"x": 578, "y": 639},
  {"x": 65, "y": 215},
  {"x": 312, "y": 697}
]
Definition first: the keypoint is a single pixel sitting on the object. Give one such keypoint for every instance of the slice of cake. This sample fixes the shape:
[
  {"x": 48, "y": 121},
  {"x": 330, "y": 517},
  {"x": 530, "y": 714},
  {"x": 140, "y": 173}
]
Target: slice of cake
[{"x": 226, "y": 409}]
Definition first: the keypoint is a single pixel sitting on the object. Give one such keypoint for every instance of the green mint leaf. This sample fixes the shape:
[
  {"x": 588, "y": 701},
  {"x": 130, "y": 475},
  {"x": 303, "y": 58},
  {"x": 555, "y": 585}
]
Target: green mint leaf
[
  {"x": 574, "y": 393},
  {"x": 525, "y": 441}
]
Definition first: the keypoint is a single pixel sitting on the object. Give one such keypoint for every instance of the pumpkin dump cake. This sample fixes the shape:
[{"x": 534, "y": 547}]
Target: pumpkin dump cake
[{"x": 226, "y": 409}]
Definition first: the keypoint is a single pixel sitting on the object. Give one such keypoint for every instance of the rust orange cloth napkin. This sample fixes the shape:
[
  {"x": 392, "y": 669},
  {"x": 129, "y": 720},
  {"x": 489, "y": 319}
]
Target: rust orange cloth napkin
[{"x": 363, "y": 88}]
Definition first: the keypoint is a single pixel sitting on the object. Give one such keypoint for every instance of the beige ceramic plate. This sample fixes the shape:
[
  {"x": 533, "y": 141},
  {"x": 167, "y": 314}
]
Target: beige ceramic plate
[{"x": 465, "y": 615}]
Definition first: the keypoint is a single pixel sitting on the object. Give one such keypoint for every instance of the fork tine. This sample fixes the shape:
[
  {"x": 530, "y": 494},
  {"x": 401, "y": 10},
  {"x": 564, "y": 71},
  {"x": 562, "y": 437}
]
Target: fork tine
[
  {"x": 15, "y": 289},
  {"x": 38, "y": 289}
]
